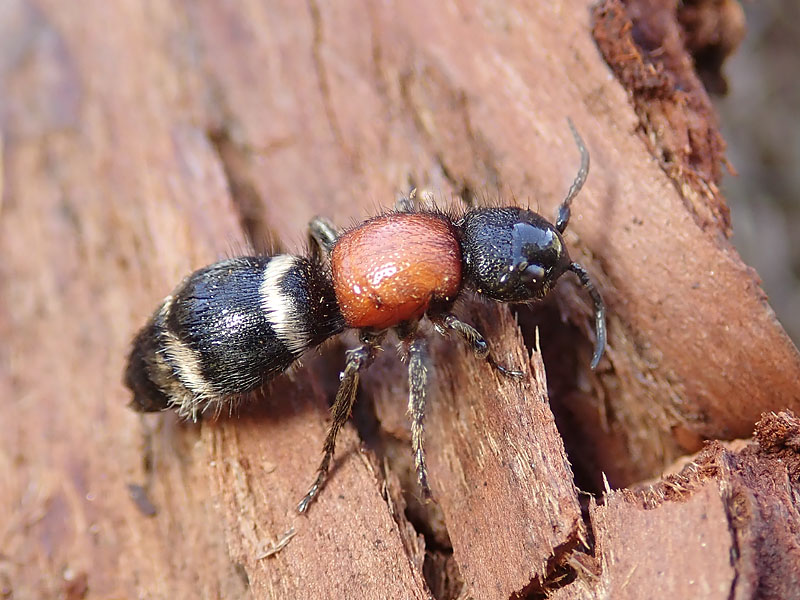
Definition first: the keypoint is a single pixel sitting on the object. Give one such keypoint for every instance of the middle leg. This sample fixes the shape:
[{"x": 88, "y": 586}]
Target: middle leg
[
  {"x": 417, "y": 389},
  {"x": 407, "y": 204}
]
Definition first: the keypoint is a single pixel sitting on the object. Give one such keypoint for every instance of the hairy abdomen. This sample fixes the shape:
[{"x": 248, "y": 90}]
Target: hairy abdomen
[{"x": 228, "y": 329}]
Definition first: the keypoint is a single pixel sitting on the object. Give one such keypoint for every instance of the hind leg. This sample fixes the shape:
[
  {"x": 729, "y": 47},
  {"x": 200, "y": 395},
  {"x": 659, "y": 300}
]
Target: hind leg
[
  {"x": 357, "y": 359},
  {"x": 322, "y": 235}
]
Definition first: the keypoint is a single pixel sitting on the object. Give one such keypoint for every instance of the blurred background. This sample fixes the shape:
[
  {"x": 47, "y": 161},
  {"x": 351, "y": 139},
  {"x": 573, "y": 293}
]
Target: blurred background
[{"x": 760, "y": 119}]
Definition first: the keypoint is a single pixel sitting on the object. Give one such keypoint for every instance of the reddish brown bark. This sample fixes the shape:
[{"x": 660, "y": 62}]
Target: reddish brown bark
[{"x": 141, "y": 141}]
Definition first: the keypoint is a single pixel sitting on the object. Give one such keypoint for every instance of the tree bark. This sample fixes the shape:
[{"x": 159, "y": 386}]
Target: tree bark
[{"x": 142, "y": 140}]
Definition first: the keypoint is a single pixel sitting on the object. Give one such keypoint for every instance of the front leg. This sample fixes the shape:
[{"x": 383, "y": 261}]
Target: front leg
[{"x": 475, "y": 340}]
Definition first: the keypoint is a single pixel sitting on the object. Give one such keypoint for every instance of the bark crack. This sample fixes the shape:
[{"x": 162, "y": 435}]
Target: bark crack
[
  {"x": 479, "y": 152},
  {"x": 245, "y": 197},
  {"x": 323, "y": 83}
]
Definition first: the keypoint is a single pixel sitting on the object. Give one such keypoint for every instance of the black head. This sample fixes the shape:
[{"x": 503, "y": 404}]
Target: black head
[
  {"x": 515, "y": 255},
  {"x": 512, "y": 254}
]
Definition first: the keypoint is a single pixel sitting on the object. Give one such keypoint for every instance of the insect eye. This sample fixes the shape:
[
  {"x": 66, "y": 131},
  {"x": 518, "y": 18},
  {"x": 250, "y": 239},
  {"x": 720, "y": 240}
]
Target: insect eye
[{"x": 533, "y": 273}]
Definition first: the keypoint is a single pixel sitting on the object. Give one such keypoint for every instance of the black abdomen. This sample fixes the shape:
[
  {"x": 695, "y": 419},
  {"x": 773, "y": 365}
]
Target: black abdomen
[{"x": 228, "y": 329}]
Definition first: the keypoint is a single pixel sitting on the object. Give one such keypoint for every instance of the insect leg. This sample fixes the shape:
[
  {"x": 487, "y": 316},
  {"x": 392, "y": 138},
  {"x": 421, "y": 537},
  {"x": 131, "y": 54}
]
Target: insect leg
[
  {"x": 476, "y": 341},
  {"x": 407, "y": 204},
  {"x": 322, "y": 235},
  {"x": 357, "y": 359},
  {"x": 417, "y": 387},
  {"x": 577, "y": 184}
]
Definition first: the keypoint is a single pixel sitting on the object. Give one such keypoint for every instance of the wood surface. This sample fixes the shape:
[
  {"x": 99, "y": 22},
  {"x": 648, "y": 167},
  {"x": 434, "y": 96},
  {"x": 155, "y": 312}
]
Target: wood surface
[{"x": 142, "y": 140}]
